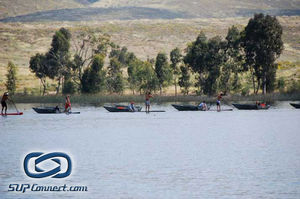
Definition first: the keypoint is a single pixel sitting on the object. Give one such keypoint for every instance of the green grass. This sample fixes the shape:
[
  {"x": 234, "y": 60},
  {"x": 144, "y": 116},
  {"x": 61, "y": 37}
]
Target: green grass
[{"x": 101, "y": 99}]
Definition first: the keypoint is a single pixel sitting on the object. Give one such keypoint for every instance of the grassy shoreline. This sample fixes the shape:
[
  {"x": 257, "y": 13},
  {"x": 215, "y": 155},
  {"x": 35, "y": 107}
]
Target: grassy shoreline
[{"x": 101, "y": 99}]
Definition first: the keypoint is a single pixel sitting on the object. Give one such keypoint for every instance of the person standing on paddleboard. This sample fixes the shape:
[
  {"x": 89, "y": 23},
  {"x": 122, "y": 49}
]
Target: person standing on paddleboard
[
  {"x": 68, "y": 104},
  {"x": 3, "y": 103},
  {"x": 219, "y": 98},
  {"x": 147, "y": 101}
]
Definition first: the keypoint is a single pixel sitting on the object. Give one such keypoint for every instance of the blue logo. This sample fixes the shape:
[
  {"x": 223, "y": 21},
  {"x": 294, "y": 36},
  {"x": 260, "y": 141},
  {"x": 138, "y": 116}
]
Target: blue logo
[{"x": 33, "y": 171}]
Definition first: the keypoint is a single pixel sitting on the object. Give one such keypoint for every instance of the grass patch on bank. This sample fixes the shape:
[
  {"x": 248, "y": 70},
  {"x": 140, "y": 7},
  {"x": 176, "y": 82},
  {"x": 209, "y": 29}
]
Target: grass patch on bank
[{"x": 102, "y": 99}]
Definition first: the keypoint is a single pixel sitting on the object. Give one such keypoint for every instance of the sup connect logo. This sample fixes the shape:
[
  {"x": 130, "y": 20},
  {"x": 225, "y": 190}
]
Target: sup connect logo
[
  {"x": 47, "y": 165},
  {"x": 58, "y": 160}
]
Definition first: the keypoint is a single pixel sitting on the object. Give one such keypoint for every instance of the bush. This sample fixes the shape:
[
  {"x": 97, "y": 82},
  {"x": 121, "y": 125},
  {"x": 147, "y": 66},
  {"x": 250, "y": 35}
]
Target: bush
[
  {"x": 26, "y": 91},
  {"x": 281, "y": 84},
  {"x": 245, "y": 91},
  {"x": 294, "y": 87},
  {"x": 69, "y": 87}
]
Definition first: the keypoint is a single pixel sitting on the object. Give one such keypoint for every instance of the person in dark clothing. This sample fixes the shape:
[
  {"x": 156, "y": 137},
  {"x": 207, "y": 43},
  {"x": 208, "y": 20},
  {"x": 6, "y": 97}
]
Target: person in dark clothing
[{"x": 3, "y": 103}]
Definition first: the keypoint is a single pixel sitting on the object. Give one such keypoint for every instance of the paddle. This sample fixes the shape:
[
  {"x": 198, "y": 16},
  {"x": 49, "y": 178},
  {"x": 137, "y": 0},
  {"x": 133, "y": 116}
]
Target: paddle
[
  {"x": 15, "y": 106},
  {"x": 225, "y": 102}
]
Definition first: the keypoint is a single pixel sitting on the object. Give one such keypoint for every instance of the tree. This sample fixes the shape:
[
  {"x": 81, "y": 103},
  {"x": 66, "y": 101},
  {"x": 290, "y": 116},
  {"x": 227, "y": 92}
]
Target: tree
[
  {"x": 281, "y": 84},
  {"x": 115, "y": 81},
  {"x": 206, "y": 57},
  {"x": 133, "y": 71},
  {"x": 93, "y": 79},
  {"x": 175, "y": 57},
  {"x": 86, "y": 45},
  {"x": 122, "y": 55},
  {"x": 68, "y": 86},
  {"x": 234, "y": 61},
  {"x": 163, "y": 70},
  {"x": 184, "y": 80},
  {"x": 195, "y": 58},
  {"x": 11, "y": 78},
  {"x": 39, "y": 67},
  {"x": 55, "y": 63},
  {"x": 214, "y": 61},
  {"x": 271, "y": 78},
  {"x": 262, "y": 41},
  {"x": 58, "y": 56},
  {"x": 147, "y": 78}
]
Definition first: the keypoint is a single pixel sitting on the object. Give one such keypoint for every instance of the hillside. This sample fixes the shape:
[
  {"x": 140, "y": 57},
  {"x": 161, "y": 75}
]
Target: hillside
[
  {"x": 9, "y": 8},
  {"x": 20, "y": 41},
  {"x": 210, "y": 8},
  {"x": 86, "y": 10}
]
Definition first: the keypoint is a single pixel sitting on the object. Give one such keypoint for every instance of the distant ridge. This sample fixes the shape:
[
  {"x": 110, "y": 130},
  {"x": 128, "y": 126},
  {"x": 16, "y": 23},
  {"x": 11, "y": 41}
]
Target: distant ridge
[
  {"x": 131, "y": 13},
  {"x": 100, "y": 14}
]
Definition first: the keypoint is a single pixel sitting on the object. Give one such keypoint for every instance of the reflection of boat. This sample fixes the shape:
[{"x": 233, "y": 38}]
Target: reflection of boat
[
  {"x": 186, "y": 107},
  {"x": 18, "y": 113},
  {"x": 51, "y": 110},
  {"x": 250, "y": 107},
  {"x": 295, "y": 105},
  {"x": 122, "y": 108}
]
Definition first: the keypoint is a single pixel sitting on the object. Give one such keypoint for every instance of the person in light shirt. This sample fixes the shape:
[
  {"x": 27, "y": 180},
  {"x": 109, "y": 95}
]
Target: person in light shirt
[{"x": 202, "y": 106}]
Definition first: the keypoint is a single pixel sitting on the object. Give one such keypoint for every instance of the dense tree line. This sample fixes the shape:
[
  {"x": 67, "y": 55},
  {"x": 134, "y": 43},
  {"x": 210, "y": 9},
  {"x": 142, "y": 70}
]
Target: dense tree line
[{"x": 209, "y": 64}]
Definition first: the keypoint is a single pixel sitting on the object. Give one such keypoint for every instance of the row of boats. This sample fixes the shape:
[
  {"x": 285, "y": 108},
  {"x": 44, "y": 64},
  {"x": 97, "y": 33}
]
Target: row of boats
[
  {"x": 125, "y": 108},
  {"x": 238, "y": 106}
]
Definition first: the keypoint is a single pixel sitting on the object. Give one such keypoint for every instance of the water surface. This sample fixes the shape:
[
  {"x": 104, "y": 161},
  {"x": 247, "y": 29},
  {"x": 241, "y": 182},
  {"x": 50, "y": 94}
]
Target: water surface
[{"x": 237, "y": 154}]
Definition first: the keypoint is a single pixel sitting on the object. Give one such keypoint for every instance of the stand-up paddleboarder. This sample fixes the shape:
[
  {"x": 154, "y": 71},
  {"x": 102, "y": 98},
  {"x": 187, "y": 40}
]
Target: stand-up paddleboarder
[
  {"x": 219, "y": 98},
  {"x": 3, "y": 103},
  {"x": 68, "y": 104},
  {"x": 147, "y": 101}
]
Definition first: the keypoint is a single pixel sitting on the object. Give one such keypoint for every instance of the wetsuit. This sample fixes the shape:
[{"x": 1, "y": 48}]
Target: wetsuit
[
  {"x": 3, "y": 101},
  {"x": 219, "y": 100},
  {"x": 147, "y": 102},
  {"x": 68, "y": 104}
]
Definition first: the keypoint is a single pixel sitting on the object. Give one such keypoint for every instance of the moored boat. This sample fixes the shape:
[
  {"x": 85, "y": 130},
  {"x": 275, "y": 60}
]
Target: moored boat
[
  {"x": 122, "y": 108},
  {"x": 295, "y": 105},
  {"x": 251, "y": 107},
  {"x": 186, "y": 107},
  {"x": 46, "y": 110},
  {"x": 51, "y": 110}
]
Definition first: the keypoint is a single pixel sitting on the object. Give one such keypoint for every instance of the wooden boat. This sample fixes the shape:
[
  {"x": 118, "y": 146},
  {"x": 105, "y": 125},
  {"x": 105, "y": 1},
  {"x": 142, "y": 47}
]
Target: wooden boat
[
  {"x": 251, "y": 107},
  {"x": 51, "y": 110},
  {"x": 122, "y": 108},
  {"x": 46, "y": 110},
  {"x": 18, "y": 113},
  {"x": 295, "y": 105},
  {"x": 186, "y": 107}
]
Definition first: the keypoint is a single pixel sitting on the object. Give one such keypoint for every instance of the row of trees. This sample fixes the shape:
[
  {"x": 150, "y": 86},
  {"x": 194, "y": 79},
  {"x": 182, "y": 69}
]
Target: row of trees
[
  {"x": 218, "y": 62},
  {"x": 215, "y": 63}
]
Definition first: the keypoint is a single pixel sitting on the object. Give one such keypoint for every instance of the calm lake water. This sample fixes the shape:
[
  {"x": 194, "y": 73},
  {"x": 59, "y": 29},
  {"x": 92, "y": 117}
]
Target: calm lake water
[{"x": 237, "y": 154}]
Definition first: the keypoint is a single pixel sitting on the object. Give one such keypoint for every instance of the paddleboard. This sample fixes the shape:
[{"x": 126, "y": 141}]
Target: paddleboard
[
  {"x": 154, "y": 111},
  {"x": 20, "y": 113},
  {"x": 73, "y": 113},
  {"x": 222, "y": 110}
]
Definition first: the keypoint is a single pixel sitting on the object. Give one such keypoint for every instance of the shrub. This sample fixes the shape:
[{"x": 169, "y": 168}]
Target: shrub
[
  {"x": 245, "y": 91},
  {"x": 294, "y": 87},
  {"x": 281, "y": 84}
]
